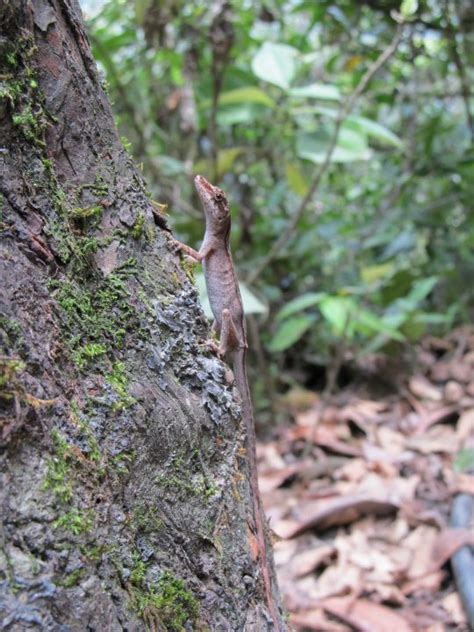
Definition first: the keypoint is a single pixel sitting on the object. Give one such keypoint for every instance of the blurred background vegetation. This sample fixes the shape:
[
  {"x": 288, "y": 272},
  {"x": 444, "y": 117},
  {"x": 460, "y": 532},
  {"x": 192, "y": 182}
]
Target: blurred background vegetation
[{"x": 342, "y": 134}]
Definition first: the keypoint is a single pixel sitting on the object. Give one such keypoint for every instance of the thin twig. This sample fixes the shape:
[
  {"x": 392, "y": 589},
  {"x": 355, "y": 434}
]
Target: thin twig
[{"x": 288, "y": 234}]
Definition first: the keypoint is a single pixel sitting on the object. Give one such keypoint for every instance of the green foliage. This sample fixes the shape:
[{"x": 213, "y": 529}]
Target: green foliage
[{"x": 388, "y": 253}]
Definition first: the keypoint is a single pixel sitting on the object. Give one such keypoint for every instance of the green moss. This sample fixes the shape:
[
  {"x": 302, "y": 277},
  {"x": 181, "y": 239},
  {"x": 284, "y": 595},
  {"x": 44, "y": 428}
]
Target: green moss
[
  {"x": 146, "y": 520},
  {"x": 59, "y": 468},
  {"x": 120, "y": 463},
  {"x": 138, "y": 573},
  {"x": 73, "y": 578},
  {"x": 119, "y": 382},
  {"x": 95, "y": 318},
  {"x": 83, "y": 355},
  {"x": 85, "y": 213},
  {"x": 137, "y": 229},
  {"x": 94, "y": 552},
  {"x": 181, "y": 482},
  {"x": 75, "y": 521},
  {"x": 168, "y": 602},
  {"x": 94, "y": 454},
  {"x": 10, "y": 368},
  {"x": 31, "y": 125},
  {"x": 11, "y": 59}
]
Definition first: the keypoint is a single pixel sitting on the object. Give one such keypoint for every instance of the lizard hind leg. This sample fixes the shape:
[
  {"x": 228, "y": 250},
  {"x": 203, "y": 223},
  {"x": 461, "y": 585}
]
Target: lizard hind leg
[{"x": 228, "y": 338}]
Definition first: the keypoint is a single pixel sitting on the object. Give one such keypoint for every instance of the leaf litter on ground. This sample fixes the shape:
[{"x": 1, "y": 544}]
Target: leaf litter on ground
[{"x": 358, "y": 491}]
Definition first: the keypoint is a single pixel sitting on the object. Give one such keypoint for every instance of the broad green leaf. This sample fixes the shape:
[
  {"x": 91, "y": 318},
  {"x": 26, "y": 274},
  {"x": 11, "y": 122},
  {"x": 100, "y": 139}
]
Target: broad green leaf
[
  {"x": 290, "y": 331},
  {"x": 430, "y": 318},
  {"x": 369, "y": 323},
  {"x": 421, "y": 289},
  {"x": 300, "y": 303},
  {"x": 357, "y": 123},
  {"x": 339, "y": 312},
  {"x": 373, "y": 129},
  {"x": 372, "y": 274},
  {"x": 239, "y": 113},
  {"x": 317, "y": 91},
  {"x": 351, "y": 146},
  {"x": 276, "y": 64},
  {"x": 408, "y": 7},
  {"x": 252, "y": 304},
  {"x": 295, "y": 178},
  {"x": 249, "y": 94}
]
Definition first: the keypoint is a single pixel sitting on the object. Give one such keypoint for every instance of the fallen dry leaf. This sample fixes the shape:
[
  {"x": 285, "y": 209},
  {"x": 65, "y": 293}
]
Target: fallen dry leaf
[
  {"x": 436, "y": 439},
  {"x": 316, "y": 620},
  {"x": 452, "y": 604},
  {"x": 366, "y": 616},
  {"x": 447, "y": 543},
  {"x": 308, "y": 561},
  {"x": 268, "y": 481},
  {"x": 421, "y": 387},
  {"x": 337, "y": 511}
]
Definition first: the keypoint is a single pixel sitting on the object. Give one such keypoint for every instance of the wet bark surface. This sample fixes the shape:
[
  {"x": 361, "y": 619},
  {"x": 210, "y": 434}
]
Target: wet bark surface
[{"x": 124, "y": 488}]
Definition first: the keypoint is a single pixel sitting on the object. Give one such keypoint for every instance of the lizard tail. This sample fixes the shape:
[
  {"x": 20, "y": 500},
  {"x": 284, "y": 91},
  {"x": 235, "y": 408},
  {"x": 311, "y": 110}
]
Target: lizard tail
[{"x": 247, "y": 413}]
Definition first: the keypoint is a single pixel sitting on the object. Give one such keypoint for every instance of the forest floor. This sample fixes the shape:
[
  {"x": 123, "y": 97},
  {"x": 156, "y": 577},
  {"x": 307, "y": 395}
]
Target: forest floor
[{"x": 358, "y": 491}]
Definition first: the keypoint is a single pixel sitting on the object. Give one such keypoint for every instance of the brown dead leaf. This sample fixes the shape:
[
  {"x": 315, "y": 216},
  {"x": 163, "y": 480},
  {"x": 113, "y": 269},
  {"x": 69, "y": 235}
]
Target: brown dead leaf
[
  {"x": 440, "y": 372},
  {"x": 465, "y": 426},
  {"x": 453, "y": 391},
  {"x": 429, "y": 582},
  {"x": 366, "y": 616},
  {"x": 420, "y": 542},
  {"x": 308, "y": 561},
  {"x": 316, "y": 620},
  {"x": 447, "y": 543},
  {"x": 421, "y": 387},
  {"x": 437, "y": 439},
  {"x": 391, "y": 441},
  {"x": 339, "y": 447},
  {"x": 460, "y": 371},
  {"x": 453, "y": 606},
  {"x": 268, "y": 481},
  {"x": 463, "y": 483},
  {"x": 336, "y": 580},
  {"x": 337, "y": 511},
  {"x": 433, "y": 417}
]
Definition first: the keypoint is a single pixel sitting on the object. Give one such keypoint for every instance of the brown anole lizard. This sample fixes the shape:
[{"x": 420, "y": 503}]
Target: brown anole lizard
[{"x": 226, "y": 304}]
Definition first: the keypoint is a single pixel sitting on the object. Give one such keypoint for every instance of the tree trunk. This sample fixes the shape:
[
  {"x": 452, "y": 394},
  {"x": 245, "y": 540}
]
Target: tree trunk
[{"x": 125, "y": 496}]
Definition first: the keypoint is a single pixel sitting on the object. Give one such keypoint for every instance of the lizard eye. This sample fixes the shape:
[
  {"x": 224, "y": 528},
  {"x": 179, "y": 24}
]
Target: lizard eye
[{"x": 219, "y": 196}]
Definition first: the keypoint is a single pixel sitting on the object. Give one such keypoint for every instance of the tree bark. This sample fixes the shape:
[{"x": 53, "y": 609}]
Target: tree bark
[{"x": 125, "y": 495}]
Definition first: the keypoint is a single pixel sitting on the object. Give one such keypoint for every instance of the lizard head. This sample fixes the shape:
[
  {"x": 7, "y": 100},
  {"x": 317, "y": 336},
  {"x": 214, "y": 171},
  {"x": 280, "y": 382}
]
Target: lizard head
[{"x": 214, "y": 202}]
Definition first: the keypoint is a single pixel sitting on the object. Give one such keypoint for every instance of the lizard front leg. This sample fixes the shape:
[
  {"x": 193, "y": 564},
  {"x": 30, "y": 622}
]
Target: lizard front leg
[{"x": 196, "y": 255}]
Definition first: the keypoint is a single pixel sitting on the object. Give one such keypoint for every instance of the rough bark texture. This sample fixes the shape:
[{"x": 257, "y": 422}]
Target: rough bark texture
[{"x": 124, "y": 489}]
